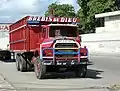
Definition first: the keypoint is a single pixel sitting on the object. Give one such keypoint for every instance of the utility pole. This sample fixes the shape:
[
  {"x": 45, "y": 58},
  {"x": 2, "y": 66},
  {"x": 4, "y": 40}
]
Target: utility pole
[{"x": 51, "y": 12}]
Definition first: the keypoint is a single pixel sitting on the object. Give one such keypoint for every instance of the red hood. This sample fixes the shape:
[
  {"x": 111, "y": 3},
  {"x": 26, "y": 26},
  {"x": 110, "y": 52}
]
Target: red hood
[{"x": 49, "y": 42}]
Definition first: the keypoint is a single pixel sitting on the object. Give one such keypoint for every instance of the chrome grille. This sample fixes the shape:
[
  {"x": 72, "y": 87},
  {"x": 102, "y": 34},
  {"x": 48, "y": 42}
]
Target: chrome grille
[{"x": 65, "y": 45}]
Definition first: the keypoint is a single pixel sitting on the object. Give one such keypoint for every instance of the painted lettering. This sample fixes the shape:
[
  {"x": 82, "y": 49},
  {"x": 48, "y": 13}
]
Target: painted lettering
[
  {"x": 50, "y": 19},
  {"x": 62, "y": 19},
  {"x": 39, "y": 18},
  {"x": 55, "y": 19},
  {"x": 30, "y": 18},
  {"x": 74, "y": 19},
  {"x": 46, "y": 18},
  {"x": 34, "y": 18},
  {"x": 43, "y": 19},
  {"x": 69, "y": 19},
  {"x": 66, "y": 19},
  {"x": 4, "y": 27}
]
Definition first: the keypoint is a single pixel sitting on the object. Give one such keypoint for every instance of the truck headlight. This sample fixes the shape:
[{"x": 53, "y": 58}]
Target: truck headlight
[
  {"x": 83, "y": 51},
  {"x": 48, "y": 52}
]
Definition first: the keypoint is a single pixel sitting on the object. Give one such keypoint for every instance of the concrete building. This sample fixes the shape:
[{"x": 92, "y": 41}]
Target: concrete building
[
  {"x": 108, "y": 22},
  {"x": 4, "y": 35},
  {"x": 107, "y": 36},
  {"x": 4, "y": 30}
]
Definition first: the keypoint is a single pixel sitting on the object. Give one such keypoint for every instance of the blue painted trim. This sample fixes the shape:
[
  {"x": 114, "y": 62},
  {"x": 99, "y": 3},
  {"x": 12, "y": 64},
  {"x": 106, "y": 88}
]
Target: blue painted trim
[
  {"x": 42, "y": 54},
  {"x": 54, "y": 56},
  {"x": 33, "y": 22},
  {"x": 79, "y": 54},
  {"x": 87, "y": 51},
  {"x": 61, "y": 53}
]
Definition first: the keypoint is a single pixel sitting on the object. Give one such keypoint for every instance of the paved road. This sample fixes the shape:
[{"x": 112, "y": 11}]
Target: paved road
[{"x": 104, "y": 73}]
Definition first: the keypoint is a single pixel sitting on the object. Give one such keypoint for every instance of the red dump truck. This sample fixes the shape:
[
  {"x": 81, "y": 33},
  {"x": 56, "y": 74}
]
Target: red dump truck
[{"x": 48, "y": 44}]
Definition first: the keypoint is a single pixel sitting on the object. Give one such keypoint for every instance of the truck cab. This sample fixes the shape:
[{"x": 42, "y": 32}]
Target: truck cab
[{"x": 61, "y": 48}]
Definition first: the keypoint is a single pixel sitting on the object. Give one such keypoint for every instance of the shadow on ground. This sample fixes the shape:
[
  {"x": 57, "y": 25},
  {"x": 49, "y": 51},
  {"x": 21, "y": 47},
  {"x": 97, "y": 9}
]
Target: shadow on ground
[
  {"x": 92, "y": 74},
  {"x": 8, "y": 61}
]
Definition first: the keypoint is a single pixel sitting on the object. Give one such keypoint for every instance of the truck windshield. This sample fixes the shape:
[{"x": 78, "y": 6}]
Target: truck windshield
[{"x": 67, "y": 31}]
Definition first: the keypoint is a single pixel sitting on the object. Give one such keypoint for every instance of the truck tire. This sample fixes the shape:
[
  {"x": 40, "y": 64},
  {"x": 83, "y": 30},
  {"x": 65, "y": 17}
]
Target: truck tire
[
  {"x": 39, "y": 69},
  {"x": 81, "y": 71},
  {"x": 17, "y": 62},
  {"x": 24, "y": 66}
]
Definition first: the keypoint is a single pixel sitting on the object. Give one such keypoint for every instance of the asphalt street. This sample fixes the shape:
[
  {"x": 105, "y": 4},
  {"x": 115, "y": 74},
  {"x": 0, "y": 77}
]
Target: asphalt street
[{"x": 103, "y": 75}]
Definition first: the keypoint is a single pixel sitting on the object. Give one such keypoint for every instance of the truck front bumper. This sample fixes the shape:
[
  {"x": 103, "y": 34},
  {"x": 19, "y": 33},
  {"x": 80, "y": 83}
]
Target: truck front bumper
[{"x": 67, "y": 62}]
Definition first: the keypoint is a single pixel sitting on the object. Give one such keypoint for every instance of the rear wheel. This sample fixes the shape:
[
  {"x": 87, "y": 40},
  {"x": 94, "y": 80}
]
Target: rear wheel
[
  {"x": 24, "y": 66},
  {"x": 39, "y": 69},
  {"x": 17, "y": 62},
  {"x": 81, "y": 71}
]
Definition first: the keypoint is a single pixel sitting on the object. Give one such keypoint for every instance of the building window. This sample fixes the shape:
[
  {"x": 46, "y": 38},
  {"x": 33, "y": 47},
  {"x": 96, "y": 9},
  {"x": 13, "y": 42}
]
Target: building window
[{"x": 100, "y": 22}]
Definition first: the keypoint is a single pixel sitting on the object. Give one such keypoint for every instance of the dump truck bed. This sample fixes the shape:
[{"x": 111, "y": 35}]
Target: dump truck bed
[{"x": 23, "y": 37}]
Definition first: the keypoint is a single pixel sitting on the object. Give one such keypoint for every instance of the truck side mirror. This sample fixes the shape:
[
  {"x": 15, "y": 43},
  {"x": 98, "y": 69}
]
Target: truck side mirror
[{"x": 43, "y": 32}]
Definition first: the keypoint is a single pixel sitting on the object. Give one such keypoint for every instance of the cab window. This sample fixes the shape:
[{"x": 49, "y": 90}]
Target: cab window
[{"x": 63, "y": 31}]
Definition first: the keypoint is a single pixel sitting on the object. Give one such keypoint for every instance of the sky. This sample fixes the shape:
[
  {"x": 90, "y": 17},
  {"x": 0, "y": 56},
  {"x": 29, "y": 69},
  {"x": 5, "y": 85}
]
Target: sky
[{"x": 13, "y": 10}]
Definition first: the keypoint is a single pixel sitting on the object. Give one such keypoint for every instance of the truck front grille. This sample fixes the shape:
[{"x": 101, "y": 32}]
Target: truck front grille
[{"x": 68, "y": 46}]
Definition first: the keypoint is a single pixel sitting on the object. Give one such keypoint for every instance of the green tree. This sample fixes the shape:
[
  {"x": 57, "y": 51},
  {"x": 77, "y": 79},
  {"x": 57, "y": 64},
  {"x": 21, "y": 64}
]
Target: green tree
[
  {"x": 88, "y": 9},
  {"x": 61, "y": 10}
]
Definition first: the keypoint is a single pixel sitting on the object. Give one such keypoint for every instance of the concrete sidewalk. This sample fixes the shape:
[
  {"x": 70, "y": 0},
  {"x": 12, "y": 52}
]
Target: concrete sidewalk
[{"x": 5, "y": 85}]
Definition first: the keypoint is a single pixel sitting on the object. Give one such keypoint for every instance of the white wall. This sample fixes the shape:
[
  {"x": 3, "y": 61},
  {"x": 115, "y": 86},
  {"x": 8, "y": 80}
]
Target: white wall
[
  {"x": 4, "y": 36},
  {"x": 100, "y": 29},
  {"x": 3, "y": 43},
  {"x": 102, "y": 42},
  {"x": 106, "y": 39},
  {"x": 112, "y": 23}
]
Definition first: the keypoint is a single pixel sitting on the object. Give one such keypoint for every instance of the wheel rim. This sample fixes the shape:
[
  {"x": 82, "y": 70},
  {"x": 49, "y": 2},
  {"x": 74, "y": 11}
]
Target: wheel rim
[{"x": 37, "y": 71}]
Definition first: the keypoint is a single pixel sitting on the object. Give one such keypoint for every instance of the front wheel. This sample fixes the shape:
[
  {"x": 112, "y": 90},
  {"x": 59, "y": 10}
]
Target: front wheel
[
  {"x": 81, "y": 71},
  {"x": 39, "y": 69}
]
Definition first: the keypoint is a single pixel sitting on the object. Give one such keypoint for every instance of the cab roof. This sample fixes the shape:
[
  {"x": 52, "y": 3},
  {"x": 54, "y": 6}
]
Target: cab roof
[{"x": 72, "y": 25}]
